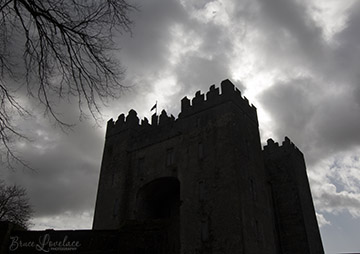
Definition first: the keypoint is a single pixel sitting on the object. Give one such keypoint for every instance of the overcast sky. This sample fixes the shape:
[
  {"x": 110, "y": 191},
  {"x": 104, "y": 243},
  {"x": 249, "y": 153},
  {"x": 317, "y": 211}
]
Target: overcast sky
[{"x": 297, "y": 61}]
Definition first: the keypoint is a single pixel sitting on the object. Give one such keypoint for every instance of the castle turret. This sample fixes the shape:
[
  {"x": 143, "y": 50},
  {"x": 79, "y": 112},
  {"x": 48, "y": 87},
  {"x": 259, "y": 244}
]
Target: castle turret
[{"x": 295, "y": 218}]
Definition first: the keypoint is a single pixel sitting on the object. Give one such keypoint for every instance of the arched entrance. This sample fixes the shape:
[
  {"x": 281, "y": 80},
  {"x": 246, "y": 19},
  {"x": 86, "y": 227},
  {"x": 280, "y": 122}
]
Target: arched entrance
[
  {"x": 159, "y": 202},
  {"x": 159, "y": 199}
]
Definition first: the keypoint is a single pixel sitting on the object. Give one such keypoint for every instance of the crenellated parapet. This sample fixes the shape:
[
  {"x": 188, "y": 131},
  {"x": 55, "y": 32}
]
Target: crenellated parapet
[
  {"x": 214, "y": 97},
  {"x": 286, "y": 147},
  {"x": 132, "y": 121},
  {"x": 283, "y": 158}
]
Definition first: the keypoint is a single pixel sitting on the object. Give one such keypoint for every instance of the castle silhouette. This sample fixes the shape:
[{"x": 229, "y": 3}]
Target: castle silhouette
[{"x": 202, "y": 183}]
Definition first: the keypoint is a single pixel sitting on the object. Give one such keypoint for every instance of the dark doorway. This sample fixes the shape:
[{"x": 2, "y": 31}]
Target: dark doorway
[
  {"x": 159, "y": 202},
  {"x": 159, "y": 199}
]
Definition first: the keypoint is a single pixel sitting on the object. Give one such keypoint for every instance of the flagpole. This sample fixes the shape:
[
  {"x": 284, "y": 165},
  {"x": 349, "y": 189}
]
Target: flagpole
[{"x": 156, "y": 108}]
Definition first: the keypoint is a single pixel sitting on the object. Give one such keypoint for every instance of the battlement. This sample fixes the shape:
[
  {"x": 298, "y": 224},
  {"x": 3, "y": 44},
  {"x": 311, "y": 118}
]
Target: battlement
[
  {"x": 273, "y": 147},
  {"x": 199, "y": 103},
  {"x": 213, "y": 97},
  {"x": 132, "y": 121}
]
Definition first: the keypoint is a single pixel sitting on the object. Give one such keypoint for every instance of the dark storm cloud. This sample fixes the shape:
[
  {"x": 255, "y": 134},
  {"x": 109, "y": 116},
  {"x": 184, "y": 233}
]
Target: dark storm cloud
[
  {"x": 338, "y": 122},
  {"x": 147, "y": 49},
  {"x": 199, "y": 73},
  {"x": 209, "y": 64},
  {"x": 320, "y": 121},
  {"x": 291, "y": 37},
  {"x": 320, "y": 110},
  {"x": 147, "y": 53},
  {"x": 291, "y": 17},
  {"x": 292, "y": 106},
  {"x": 347, "y": 52}
]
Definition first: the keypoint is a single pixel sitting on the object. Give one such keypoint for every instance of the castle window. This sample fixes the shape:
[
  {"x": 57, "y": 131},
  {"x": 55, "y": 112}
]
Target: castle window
[{"x": 169, "y": 156}]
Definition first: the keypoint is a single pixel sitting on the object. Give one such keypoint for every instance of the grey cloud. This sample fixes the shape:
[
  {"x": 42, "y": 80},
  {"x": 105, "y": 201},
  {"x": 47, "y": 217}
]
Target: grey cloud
[
  {"x": 349, "y": 35},
  {"x": 320, "y": 122},
  {"x": 292, "y": 40},
  {"x": 347, "y": 54},
  {"x": 338, "y": 124},
  {"x": 328, "y": 199},
  {"x": 211, "y": 61},
  {"x": 292, "y": 17},
  {"x": 147, "y": 48},
  {"x": 293, "y": 99},
  {"x": 340, "y": 200},
  {"x": 67, "y": 169},
  {"x": 322, "y": 220},
  {"x": 199, "y": 73},
  {"x": 147, "y": 53},
  {"x": 330, "y": 104},
  {"x": 292, "y": 106}
]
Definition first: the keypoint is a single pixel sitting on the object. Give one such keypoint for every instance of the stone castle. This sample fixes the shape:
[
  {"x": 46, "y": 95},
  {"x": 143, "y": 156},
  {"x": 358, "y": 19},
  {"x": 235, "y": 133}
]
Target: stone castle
[{"x": 202, "y": 183}]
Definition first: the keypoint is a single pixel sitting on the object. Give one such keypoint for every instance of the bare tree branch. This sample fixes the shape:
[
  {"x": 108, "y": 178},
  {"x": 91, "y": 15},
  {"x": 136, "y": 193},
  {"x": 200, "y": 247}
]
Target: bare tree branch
[
  {"x": 66, "y": 47},
  {"x": 14, "y": 205}
]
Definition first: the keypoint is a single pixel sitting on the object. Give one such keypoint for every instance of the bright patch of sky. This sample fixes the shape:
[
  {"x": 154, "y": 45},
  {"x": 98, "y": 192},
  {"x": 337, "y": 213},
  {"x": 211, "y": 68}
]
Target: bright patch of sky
[
  {"x": 332, "y": 15},
  {"x": 66, "y": 221}
]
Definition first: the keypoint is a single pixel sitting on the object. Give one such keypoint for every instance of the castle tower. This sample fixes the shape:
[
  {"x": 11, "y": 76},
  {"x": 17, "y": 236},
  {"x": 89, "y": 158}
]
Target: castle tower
[
  {"x": 295, "y": 219},
  {"x": 200, "y": 176}
]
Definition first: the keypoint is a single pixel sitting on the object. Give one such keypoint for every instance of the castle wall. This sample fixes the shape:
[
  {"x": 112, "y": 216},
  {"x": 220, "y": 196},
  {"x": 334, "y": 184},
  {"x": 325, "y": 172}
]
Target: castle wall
[{"x": 212, "y": 153}]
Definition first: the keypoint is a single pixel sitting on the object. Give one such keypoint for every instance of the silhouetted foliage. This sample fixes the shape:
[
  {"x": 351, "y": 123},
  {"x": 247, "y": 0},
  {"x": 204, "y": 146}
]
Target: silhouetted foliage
[
  {"x": 14, "y": 205},
  {"x": 58, "y": 50}
]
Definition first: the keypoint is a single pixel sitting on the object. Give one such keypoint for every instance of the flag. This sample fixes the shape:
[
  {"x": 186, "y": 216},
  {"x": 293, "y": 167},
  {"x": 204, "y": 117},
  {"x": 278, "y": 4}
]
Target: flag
[{"x": 154, "y": 107}]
